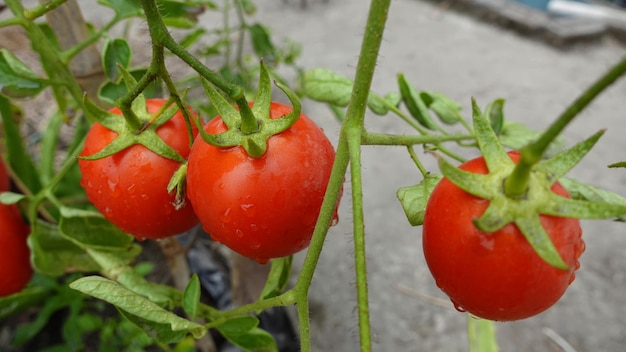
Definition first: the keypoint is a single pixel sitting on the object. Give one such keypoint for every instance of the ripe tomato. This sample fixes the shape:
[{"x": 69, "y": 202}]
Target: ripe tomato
[
  {"x": 262, "y": 207},
  {"x": 130, "y": 187},
  {"x": 496, "y": 276},
  {"x": 15, "y": 268}
]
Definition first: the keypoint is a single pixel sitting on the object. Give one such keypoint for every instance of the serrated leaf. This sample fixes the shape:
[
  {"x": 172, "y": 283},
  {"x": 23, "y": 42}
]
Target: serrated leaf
[
  {"x": 52, "y": 254},
  {"x": 191, "y": 296},
  {"x": 16, "y": 79},
  {"x": 115, "y": 52},
  {"x": 277, "y": 278},
  {"x": 164, "y": 325},
  {"x": 90, "y": 229},
  {"x": 414, "y": 198}
]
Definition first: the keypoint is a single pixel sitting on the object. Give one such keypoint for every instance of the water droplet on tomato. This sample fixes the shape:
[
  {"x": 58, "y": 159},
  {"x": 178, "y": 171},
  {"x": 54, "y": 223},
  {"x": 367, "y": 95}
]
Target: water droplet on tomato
[
  {"x": 458, "y": 307},
  {"x": 248, "y": 209},
  {"x": 254, "y": 228},
  {"x": 113, "y": 185},
  {"x": 221, "y": 186},
  {"x": 131, "y": 189},
  {"x": 226, "y": 216},
  {"x": 255, "y": 246},
  {"x": 238, "y": 234}
]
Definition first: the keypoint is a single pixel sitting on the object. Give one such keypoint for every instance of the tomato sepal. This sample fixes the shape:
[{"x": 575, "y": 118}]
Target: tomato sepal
[
  {"x": 525, "y": 208},
  {"x": 250, "y": 127},
  {"x": 127, "y": 137}
]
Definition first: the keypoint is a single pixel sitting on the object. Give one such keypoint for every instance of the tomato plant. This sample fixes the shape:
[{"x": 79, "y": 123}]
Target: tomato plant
[
  {"x": 15, "y": 268},
  {"x": 130, "y": 187},
  {"x": 496, "y": 276},
  {"x": 262, "y": 207}
]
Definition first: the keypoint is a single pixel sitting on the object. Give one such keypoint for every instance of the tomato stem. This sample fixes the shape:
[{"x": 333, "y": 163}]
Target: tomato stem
[{"x": 516, "y": 184}]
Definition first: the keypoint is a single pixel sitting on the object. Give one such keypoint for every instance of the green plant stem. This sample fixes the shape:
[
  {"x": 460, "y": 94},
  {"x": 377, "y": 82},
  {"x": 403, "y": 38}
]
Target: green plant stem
[
  {"x": 42, "y": 9},
  {"x": 517, "y": 183},
  {"x": 69, "y": 54},
  {"x": 417, "y": 161},
  {"x": 161, "y": 36},
  {"x": 370, "y": 138},
  {"x": 348, "y": 152}
]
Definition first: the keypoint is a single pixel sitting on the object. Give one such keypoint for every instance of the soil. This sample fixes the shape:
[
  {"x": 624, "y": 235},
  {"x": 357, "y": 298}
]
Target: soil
[{"x": 460, "y": 56}]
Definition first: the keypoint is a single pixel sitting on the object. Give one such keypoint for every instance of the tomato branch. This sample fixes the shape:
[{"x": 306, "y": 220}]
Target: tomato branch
[{"x": 371, "y": 138}]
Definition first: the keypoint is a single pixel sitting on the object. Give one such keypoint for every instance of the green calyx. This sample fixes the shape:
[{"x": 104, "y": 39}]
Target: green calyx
[
  {"x": 250, "y": 127},
  {"x": 532, "y": 184}
]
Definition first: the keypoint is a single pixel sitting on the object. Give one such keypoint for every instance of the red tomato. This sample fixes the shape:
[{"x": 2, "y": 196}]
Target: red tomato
[
  {"x": 496, "y": 276},
  {"x": 262, "y": 207},
  {"x": 130, "y": 187},
  {"x": 15, "y": 268}
]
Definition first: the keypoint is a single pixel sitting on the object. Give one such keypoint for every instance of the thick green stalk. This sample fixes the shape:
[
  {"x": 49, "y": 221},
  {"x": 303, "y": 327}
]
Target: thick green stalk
[
  {"x": 517, "y": 183},
  {"x": 353, "y": 127}
]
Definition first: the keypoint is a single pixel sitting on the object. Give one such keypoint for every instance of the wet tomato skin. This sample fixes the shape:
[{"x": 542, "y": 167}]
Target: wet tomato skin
[
  {"x": 130, "y": 187},
  {"x": 495, "y": 276},
  {"x": 263, "y": 207},
  {"x": 15, "y": 268}
]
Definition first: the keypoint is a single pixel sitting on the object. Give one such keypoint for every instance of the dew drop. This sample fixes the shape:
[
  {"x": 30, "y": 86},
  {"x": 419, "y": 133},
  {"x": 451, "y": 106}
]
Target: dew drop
[
  {"x": 255, "y": 246},
  {"x": 248, "y": 209},
  {"x": 254, "y": 228},
  {"x": 131, "y": 189},
  {"x": 458, "y": 307},
  {"x": 113, "y": 185},
  {"x": 238, "y": 234},
  {"x": 226, "y": 216}
]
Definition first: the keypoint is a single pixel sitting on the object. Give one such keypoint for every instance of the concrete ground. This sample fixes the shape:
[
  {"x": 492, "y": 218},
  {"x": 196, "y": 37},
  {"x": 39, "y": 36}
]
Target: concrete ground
[{"x": 445, "y": 51}]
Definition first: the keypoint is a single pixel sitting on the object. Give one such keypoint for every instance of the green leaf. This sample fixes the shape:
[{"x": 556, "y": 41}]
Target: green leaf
[
  {"x": 482, "y": 335},
  {"x": 18, "y": 158},
  {"x": 90, "y": 229},
  {"x": 28, "y": 297},
  {"x": 11, "y": 198},
  {"x": 110, "y": 91},
  {"x": 414, "y": 103},
  {"x": 244, "y": 333},
  {"x": 179, "y": 14},
  {"x": 326, "y": 86},
  {"x": 191, "y": 296},
  {"x": 621, "y": 164},
  {"x": 52, "y": 254},
  {"x": 16, "y": 79},
  {"x": 248, "y": 6},
  {"x": 191, "y": 38},
  {"x": 446, "y": 109},
  {"x": 124, "y": 8},
  {"x": 414, "y": 198},
  {"x": 115, "y": 52},
  {"x": 278, "y": 277},
  {"x": 262, "y": 42},
  {"x": 582, "y": 191},
  {"x": 495, "y": 113},
  {"x": 516, "y": 135},
  {"x": 161, "y": 324}
]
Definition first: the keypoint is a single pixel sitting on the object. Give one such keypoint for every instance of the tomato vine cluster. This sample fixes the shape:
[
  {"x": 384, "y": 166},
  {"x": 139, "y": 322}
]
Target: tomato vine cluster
[{"x": 261, "y": 207}]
